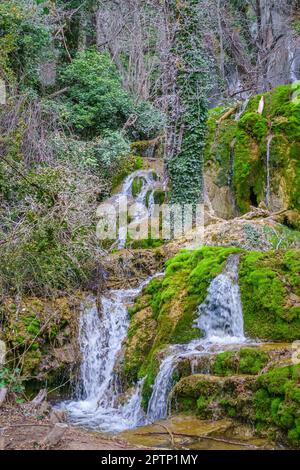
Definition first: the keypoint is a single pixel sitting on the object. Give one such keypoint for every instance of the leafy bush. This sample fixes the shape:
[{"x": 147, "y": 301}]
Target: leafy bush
[
  {"x": 11, "y": 380},
  {"x": 96, "y": 101},
  {"x": 24, "y": 41}
]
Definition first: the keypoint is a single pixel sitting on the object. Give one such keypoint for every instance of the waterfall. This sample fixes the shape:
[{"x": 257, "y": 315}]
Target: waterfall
[
  {"x": 268, "y": 179},
  {"x": 242, "y": 109},
  {"x": 100, "y": 339},
  {"x": 221, "y": 320},
  {"x": 142, "y": 204},
  {"x": 221, "y": 316},
  {"x": 292, "y": 62}
]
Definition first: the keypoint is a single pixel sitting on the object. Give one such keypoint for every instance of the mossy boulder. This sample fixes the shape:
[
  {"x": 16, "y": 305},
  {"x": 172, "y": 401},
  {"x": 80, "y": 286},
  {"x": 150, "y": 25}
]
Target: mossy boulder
[
  {"x": 210, "y": 396},
  {"x": 245, "y": 361},
  {"x": 41, "y": 338},
  {"x": 270, "y": 400},
  {"x": 236, "y": 153},
  {"x": 270, "y": 293}
]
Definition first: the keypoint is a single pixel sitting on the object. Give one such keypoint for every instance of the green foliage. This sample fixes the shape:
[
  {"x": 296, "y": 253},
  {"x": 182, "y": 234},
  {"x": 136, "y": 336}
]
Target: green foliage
[
  {"x": 96, "y": 100},
  {"x": 51, "y": 250},
  {"x": 11, "y": 379},
  {"x": 24, "y": 41}
]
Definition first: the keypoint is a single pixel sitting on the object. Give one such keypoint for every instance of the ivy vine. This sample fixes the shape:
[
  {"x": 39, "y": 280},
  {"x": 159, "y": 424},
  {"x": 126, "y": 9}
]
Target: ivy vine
[{"x": 185, "y": 169}]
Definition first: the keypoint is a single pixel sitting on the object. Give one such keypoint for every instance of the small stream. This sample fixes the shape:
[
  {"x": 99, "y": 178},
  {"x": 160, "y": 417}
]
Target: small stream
[{"x": 268, "y": 178}]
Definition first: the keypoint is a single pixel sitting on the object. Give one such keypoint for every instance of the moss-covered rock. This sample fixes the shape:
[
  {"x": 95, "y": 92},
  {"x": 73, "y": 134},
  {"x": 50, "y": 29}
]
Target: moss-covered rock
[
  {"x": 270, "y": 400},
  {"x": 236, "y": 149},
  {"x": 41, "y": 338},
  {"x": 210, "y": 396},
  {"x": 245, "y": 361},
  {"x": 270, "y": 292}
]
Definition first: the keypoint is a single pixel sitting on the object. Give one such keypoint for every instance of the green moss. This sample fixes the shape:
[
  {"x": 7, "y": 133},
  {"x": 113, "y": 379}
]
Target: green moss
[
  {"x": 127, "y": 165},
  {"x": 254, "y": 124},
  {"x": 267, "y": 281},
  {"x": 252, "y": 361},
  {"x": 246, "y": 361},
  {"x": 137, "y": 185},
  {"x": 276, "y": 401}
]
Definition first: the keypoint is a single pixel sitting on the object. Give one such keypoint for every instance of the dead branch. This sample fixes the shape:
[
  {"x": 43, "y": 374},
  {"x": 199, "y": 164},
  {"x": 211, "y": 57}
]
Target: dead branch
[{"x": 209, "y": 438}]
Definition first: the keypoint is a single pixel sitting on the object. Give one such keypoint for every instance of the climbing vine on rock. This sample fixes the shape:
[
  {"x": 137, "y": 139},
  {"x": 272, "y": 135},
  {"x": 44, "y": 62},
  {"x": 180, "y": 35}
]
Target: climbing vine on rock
[{"x": 185, "y": 166}]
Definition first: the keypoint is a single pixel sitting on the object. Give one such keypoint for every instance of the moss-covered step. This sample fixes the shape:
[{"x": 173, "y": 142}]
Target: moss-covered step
[
  {"x": 247, "y": 359},
  {"x": 271, "y": 400},
  {"x": 236, "y": 154},
  {"x": 206, "y": 395}
]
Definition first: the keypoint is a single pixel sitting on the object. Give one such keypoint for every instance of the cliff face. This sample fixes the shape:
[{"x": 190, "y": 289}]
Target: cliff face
[
  {"x": 280, "y": 43},
  {"x": 253, "y": 156},
  {"x": 255, "y": 45}
]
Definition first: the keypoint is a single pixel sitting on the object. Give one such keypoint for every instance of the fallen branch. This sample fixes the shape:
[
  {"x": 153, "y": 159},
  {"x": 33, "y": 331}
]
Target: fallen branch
[
  {"x": 217, "y": 439},
  {"x": 58, "y": 93},
  {"x": 226, "y": 115},
  {"x": 27, "y": 425},
  {"x": 169, "y": 432},
  {"x": 40, "y": 398}
]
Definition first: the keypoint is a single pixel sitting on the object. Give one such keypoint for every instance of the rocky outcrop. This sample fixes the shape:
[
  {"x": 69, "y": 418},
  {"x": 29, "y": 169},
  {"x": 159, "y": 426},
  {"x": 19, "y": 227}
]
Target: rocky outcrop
[
  {"x": 252, "y": 157},
  {"x": 41, "y": 338},
  {"x": 269, "y": 400}
]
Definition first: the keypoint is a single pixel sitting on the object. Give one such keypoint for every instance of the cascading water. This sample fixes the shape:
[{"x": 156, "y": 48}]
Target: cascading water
[
  {"x": 221, "y": 320},
  {"x": 142, "y": 203},
  {"x": 221, "y": 315},
  {"x": 268, "y": 179},
  {"x": 101, "y": 341}
]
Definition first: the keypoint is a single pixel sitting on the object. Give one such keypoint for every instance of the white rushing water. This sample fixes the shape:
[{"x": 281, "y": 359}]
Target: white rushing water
[
  {"x": 141, "y": 205},
  {"x": 100, "y": 338},
  {"x": 268, "y": 181},
  {"x": 221, "y": 320}
]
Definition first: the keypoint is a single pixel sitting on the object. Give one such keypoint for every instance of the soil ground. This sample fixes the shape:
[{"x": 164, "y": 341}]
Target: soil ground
[{"x": 24, "y": 430}]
